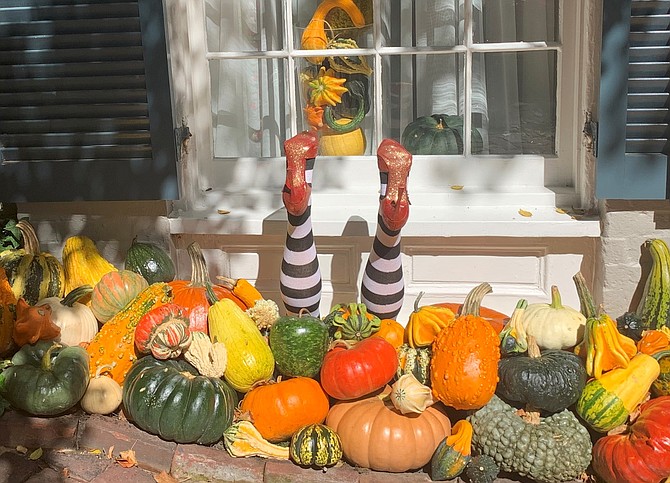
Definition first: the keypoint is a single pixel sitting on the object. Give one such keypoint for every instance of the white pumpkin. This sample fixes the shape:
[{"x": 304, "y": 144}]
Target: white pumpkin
[
  {"x": 76, "y": 320},
  {"x": 554, "y": 326},
  {"x": 103, "y": 394}
]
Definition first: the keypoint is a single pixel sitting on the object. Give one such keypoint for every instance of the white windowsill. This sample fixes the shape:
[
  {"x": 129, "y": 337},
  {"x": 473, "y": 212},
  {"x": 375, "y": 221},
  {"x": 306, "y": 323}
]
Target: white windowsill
[{"x": 468, "y": 212}]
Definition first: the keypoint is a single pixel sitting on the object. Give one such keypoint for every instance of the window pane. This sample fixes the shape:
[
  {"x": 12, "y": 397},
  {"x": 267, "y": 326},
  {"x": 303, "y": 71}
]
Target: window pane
[
  {"x": 326, "y": 27},
  {"x": 421, "y": 23},
  {"x": 516, "y": 21},
  {"x": 244, "y": 25},
  {"x": 249, "y": 107},
  {"x": 420, "y": 85},
  {"x": 520, "y": 115}
]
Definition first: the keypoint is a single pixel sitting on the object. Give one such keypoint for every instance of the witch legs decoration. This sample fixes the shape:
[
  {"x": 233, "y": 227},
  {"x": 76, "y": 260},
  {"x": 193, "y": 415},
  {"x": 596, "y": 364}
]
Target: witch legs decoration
[{"x": 382, "y": 287}]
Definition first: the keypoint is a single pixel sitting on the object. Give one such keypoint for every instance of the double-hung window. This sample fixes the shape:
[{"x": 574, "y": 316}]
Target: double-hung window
[{"x": 505, "y": 72}]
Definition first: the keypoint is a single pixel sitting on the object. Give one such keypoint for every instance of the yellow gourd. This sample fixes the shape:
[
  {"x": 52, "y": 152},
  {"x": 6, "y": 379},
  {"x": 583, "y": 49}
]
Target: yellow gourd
[
  {"x": 242, "y": 440},
  {"x": 83, "y": 264},
  {"x": 250, "y": 359},
  {"x": 351, "y": 143},
  {"x": 426, "y": 322}
]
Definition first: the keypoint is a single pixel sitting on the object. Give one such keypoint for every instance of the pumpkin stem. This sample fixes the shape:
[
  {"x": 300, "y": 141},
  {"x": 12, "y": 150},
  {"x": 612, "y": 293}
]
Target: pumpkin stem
[
  {"x": 76, "y": 294},
  {"x": 104, "y": 368},
  {"x": 473, "y": 300},
  {"x": 533, "y": 349},
  {"x": 416, "y": 301},
  {"x": 30, "y": 242},
  {"x": 586, "y": 304},
  {"x": 199, "y": 272},
  {"x": 46, "y": 358},
  {"x": 556, "y": 302}
]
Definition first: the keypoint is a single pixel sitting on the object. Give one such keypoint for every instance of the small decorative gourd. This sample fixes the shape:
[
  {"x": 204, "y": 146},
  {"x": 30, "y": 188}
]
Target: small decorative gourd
[
  {"x": 149, "y": 260},
  {"x": 114, "y": 291},
  {"x": 315, "y": 445},
  {"x": 163, "y": 332},
  {"x": 654, "y": 310},
  {"x": 464, "y": 364},
  {"x": 33, "y": 323},
  {"x": 103, "y": 394},
  {"x": 482, "y": 468},
  {"x": 513, "y": 337},
  {"x": 209, "y": 358},
  {"x": 242, "y": 440},
  {"x": 453, "y": 453},
  {"x": 408, "y": 395},
  {"x": 415, "y": 361},
  {"x": 82, "y": 263},
  {"x": 425, "y": 322},
  {"x": 7, "y": 312},
  {"x": 352, "y": 321}
]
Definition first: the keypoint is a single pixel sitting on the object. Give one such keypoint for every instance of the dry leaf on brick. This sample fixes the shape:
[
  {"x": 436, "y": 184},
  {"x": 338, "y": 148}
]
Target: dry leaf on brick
[
  {"x": 525, "y": 213},
  {"x": 21, "y": 449},
  {"x": 110, "y": 452},
  {"x": 35, "y": 455},
  {"x": 127, "y": 459}
]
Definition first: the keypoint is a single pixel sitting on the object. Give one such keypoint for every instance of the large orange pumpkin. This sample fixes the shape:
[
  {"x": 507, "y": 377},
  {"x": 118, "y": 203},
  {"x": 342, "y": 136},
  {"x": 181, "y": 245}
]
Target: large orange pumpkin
[
  {"x": 464, "y": 364},
  {"x": 192, "y": 294},
  {"x": 279, "y": 409},
  {"x": 376, "y": 435}
]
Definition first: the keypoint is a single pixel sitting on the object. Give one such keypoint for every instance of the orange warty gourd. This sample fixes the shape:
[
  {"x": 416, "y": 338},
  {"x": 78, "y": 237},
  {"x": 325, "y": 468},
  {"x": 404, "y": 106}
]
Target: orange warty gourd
[
  {"x": 464, "y": 364},
  {"x": 279, "y": 409},
  {"x": 376, "y": 435}
]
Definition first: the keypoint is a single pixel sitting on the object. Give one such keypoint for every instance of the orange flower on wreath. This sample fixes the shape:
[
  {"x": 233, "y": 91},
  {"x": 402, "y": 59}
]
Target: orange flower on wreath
[{"x": 314, "y": 115}]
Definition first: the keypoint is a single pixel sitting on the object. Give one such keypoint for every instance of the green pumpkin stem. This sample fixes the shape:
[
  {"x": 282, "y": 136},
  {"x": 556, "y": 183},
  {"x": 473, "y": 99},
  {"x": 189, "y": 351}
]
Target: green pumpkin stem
[
  {"x": 586, "y": 304},
  {"x": 46, "y": 358},
  {"x": 76, "y": 294},
  {"x": 473, "y": 300},
  {"x": 199, "y": 272},
  {"x": 416, "y": 301},
  {"x": 556, "y": 302}
]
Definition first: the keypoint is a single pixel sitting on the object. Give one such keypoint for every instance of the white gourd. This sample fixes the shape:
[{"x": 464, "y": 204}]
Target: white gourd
[
  {"x": 103, "y": 394},
  {"x": 554, "y": 325}
]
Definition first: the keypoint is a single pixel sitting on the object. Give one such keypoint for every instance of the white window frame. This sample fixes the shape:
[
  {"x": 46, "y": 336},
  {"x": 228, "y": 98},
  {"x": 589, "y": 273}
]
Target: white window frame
[{"x": 529, "y": 183}]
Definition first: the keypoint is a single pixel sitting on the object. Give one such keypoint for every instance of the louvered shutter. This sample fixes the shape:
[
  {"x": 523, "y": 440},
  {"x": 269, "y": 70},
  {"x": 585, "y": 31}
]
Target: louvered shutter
[
  {"x": 633, "y": 139},
  {"x": 85, "y": 109}
]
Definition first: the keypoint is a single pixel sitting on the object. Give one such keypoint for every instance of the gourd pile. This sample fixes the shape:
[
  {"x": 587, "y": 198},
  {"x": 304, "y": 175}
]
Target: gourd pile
[{"x": 550, "y": 392}]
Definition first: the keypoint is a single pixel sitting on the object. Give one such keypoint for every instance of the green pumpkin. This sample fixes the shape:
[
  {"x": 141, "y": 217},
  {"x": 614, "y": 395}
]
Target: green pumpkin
[
  {"x": 45, "y": 379},
  {"x": 299, "y": 343},
  {"x": 439, "y": 134},
  {"x": 315, "y": 445},
  {"x": 551, "y": 380},
  {"x": 151, "y": 261},
  {"x": 169, "y": 399},
  {"x": 661, "y": 386}
]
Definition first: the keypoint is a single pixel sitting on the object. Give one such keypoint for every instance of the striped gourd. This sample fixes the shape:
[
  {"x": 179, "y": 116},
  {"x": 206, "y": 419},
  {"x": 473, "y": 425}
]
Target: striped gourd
[
  {"x": 33, "y": 275},
  {"x": 315, "y": 445},
  {"x": 654, "y": 308},
  {"x": 114, "y": 344},
  {"x": 415, "y": 361},
  {"x": 605, "y": 403}
]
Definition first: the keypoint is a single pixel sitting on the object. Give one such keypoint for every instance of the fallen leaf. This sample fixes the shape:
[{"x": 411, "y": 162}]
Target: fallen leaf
[
  {"x": 35, "y": 455},
  {"x": 95, "y": 451},
  {"x": 110, "y": 452},
  {"x": 223, "y": 212},
  {"x": 127, "y": 459},
  {"x": 561, "y": 211},
  {"x": 65, "y": 472},
  {"x": 163, "y": 477},
  {"x": 456, "y": 187},
  {"x": 21, "y": 449},
  {"x": 525, "y": 213}
]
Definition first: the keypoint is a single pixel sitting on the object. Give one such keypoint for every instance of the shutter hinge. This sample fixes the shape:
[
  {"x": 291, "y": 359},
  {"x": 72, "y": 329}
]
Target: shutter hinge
[{"x": 590, "y": 132}]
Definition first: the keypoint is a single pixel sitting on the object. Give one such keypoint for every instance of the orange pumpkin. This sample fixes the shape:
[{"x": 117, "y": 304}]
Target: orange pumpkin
[
  {"x": 426, "y": 322},
  {"x": 392, "y": 331},
  {"x": 279, "y": 409},
  {"x": 192, "y": 294},
  {"x": 376, "y": 435},
  {"x": 7, "y": 312},
  {"x": 493, "y": 317},
  {"x": 464, "y": 364},
  {"x": 654, "y": 341}
]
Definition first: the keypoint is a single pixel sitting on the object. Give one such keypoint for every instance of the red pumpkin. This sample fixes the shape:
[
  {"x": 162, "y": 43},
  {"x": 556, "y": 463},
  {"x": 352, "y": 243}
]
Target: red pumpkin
[
  {"x": 279, "y": 409},
  {"x": 642, "y": 453},
  {"x": 376, "y": 435},
  {"x": 163, "y": 332},
  {"x": 350, "y": 371},
  {"x": 192, "y": 294}
]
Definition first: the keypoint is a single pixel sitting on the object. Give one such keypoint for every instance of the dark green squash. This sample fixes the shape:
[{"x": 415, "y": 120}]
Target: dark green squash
[
  {"x": 315, "y": 445},
  {"x": 45, "y": 379},
  {"x": 151, "y": 261},
  {"x": 550, "y": 380},
  {"x": 654, "y": 306},
  {"x": 661, "y": 386},
  {"x": 482, "y": 469},
  {"x": 299, "y": 343},
  {"x": 169, "y": 399},
  {"x": 33, "y": 275},
  {"x": 439, "y": 134}
]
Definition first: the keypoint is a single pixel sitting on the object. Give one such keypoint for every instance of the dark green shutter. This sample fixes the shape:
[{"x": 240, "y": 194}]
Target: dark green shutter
[
  {"x": 632, "y": 158},
  {"x": 85, "y": 107}
]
